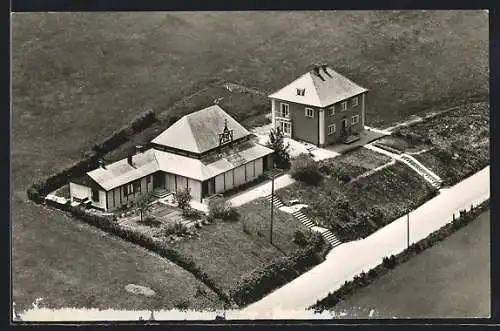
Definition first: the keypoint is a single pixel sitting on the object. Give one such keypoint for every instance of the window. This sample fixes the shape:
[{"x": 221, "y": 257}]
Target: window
[
  {"x": 355, "y": 119},
  {"x": 301, "y": 91},
  {"x": 137, "y": 186},
  {"x": 355, "y": 101},
  {"x": 331, "y": 110},
  {"x": 286, "y": 127},
  {"x": 128, "y": 189},
  {"x": 148, "y": 180},
  {"x": 309, "y": 112},
  {"x": 95, "y": 195},
  {"x": 284, "y": 110},
  {"x": 344, "y": 105},
  {"x": 331, "y": 129}
]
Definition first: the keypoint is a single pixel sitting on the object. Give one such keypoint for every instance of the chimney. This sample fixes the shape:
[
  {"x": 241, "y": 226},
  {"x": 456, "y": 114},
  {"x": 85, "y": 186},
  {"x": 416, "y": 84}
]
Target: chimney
[
  {"x": 129, "y": 160},
  {"x": 316, "y": 71},
  {"x": 101, "y": 164},
  {"x": 324, "y": 67},
  {"x": 139, "y": 149}
]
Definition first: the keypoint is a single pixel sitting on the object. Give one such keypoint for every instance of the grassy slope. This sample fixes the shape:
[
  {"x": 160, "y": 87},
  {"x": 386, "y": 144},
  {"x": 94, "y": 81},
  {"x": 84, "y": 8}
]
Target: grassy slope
[
  {"x": 78, "y": 76},
  {"x": 437, "y": 283},
  {"x": 227, "y": 253}
]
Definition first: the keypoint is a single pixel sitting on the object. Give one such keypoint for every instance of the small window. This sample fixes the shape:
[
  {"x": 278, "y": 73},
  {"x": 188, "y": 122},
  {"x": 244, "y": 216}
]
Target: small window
[
  {"x": 286, "y": 127},
  {"x": 309, "y": 112},
  {"x": 128, "y": 189},
  {"x": 301, "y": 91},
  {"x": 331, "y": 111},
  {"x": 95, "y": 195},
  {"x": 344, "y": 105},
  {"x": 284, "y": 110},
  {"x": 355, "y": 119},
  {"x": 331, "y": 129},
  {"x": 355, "y": 101}
]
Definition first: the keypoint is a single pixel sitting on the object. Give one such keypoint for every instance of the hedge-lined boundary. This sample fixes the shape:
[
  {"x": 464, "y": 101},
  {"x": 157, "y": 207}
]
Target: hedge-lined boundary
[
  {"x": 264, "y": 279},
  {"x": 388, "y": 263},
  {"x": 42, "y": 187},
  {"x": 109, "y": 224}
]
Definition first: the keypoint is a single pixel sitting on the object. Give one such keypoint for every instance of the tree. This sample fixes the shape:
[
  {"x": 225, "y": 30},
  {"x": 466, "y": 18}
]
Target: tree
[
  {"x": 305, "y": 169},
  {"x": 144, "y": 203},
  {"x": 281, "y": 150},
  {"x": 183, "y": 198}
]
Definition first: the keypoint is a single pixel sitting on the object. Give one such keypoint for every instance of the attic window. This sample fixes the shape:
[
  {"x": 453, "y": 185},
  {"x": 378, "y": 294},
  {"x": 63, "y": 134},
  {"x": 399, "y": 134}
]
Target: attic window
[{"x": 301, "y": 91}]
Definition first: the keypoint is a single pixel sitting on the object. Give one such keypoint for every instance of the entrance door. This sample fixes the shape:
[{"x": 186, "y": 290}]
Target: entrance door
[{"x": 159, "y": 181}]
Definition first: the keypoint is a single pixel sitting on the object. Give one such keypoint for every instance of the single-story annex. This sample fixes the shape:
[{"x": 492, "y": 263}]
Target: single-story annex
[{"x": 207, "y": 152}]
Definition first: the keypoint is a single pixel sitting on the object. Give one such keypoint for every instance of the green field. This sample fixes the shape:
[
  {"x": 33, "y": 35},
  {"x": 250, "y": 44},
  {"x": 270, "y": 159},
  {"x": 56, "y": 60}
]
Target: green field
[
  {"x": 450, "y": 279},
  {"x": 76, "y": 77}
]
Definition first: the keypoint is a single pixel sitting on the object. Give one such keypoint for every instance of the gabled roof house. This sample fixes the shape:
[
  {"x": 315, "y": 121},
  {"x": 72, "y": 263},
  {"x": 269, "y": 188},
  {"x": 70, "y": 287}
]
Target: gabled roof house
[
  {"x": 320, "y": 107},
  {"x": 207, "y": 152}
]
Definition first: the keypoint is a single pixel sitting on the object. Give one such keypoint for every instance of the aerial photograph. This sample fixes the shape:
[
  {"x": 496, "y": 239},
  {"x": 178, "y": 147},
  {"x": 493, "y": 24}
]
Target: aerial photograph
[{"x": 246, "y": 165}]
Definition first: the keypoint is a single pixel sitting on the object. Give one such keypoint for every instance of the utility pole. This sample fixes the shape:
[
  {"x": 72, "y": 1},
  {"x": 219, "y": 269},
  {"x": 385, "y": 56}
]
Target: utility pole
[
  {"x": 408, "y": 229},
  {"x": 272, "y": 210}
]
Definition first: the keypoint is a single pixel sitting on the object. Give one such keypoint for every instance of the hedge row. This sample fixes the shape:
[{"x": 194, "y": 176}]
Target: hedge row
[
  {"x": 110, "y": 225},
  {"x": 139, "y": 123},
  {"x": 44, "y": 186},
  {"x": 266, "y": 278},
  {"x": 392, "y": 261}
]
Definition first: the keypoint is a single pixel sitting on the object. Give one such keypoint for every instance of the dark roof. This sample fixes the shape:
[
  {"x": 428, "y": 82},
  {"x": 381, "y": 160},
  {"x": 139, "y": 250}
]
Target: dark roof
[{"x": 198, "y": 132}]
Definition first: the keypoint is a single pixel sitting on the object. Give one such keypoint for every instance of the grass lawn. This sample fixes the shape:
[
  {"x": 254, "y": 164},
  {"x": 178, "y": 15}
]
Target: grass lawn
[
  {"x": 77, "y": 77},
  {"x": 402, "y": 145},
  {"x": 353, "y": 163},
  {"x": 347, "y": 208},
  {"x": 71, "y": 264},
  {"x": 227, "y": 251},
  {"x": 450, "y": 279}
]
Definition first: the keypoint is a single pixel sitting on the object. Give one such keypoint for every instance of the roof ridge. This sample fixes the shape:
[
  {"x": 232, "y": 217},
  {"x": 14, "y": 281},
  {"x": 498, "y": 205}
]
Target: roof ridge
[{"x": 192, "y": 134}]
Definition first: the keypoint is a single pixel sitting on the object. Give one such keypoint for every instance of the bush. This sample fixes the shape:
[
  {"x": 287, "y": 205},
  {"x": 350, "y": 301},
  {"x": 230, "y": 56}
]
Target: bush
[
  {"x": 191, "y": 213},
  {"x": 177, "y": 228},
  {"x": 390, "y": 262},
  {"x": 182, "y": 305},
  {"x": 183, "y": 198},
  {"x": 220, "y": 208},
  {"x": 305, "y": 169},
  {"x": 300, "y": 238},
  {"x": 150, "y": 221}
]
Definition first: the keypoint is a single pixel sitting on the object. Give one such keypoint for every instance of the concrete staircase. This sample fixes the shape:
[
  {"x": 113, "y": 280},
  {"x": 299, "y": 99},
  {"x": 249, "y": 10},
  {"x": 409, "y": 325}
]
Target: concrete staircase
[
  {"x": 325, "y": 233},
  {"x": 273, "y": 172},
  {"x": 160, "y": 193},
  {"x": 428, "y": 175}
]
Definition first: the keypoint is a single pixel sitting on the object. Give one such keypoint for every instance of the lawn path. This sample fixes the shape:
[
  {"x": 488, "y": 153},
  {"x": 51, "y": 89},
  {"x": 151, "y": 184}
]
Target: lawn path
[
  {"x": 350, "y": 259},
  {"x": 261, "y": 190}
]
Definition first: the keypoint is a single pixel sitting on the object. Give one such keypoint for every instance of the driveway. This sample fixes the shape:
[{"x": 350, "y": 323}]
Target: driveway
[{"x": 340, "y": 266}]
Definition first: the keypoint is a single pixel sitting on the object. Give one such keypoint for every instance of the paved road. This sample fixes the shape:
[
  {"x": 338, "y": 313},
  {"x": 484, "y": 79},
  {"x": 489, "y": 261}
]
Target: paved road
[{"x": 348, "y": 260}]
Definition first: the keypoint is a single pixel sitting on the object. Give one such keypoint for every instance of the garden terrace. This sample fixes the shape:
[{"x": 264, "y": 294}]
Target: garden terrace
[
  {"x": 352, "y": 164},
  {"x": 459, "y": 141},
  {"x": 358, "y": 208}
]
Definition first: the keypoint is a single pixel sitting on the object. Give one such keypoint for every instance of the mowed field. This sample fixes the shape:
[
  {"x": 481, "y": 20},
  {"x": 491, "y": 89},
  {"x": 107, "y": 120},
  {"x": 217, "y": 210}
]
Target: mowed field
[
  {"x": 76, "y": 77},
  {"x": 451, "y": 279}
]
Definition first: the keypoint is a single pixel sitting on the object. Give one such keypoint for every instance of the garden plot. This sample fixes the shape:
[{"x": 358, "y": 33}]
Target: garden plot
[{"x": 458, "y": 141}]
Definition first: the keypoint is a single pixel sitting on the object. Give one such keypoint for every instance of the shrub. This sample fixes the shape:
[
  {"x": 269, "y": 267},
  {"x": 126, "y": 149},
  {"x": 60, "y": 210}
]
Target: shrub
[
  {"x": 191, "y": 213},
  {"x": 390, "y": 262},
  {"x": 281, "y": 150},
  {"x": 183, "y": 198},
  {"x": 305, "y": 169},
  {"x": 182, "y": 305},
  {"x": 220, "y": 208},
  {"x": 300, "y": 238},
  {"x": 177, "y": 228}
]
